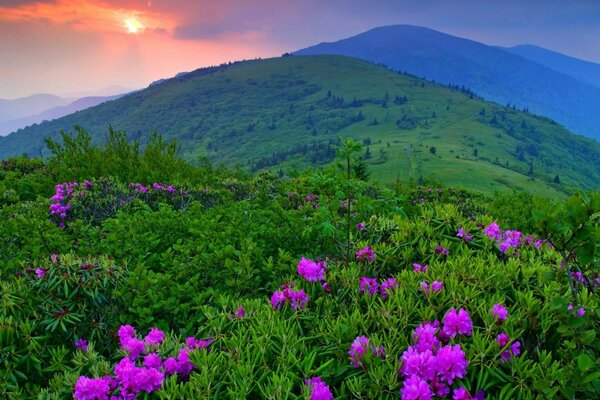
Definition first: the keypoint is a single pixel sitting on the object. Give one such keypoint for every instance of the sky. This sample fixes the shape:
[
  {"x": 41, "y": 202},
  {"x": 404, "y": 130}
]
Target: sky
[{"x": 76, "y": 47}]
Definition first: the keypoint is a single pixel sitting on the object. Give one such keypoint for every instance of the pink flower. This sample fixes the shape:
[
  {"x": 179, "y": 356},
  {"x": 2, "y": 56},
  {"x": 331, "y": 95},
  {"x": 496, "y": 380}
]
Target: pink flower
[
  {"x": 500, "y": 312},
  {"x": 463, "y": 235},
  {"x": 277, "y": 299},
  {"x": 54, "y": 258},
  {"x": 154, "y": 337},
  {"x": 493, "y": 231},
  {"x": 318, "y": 389},
  {"x": 461, "y": 394},
  {"x": 310, "y": 270},
  {"x": 40, "y": 273},
  {"x": 457, "y": 323},
  {"x": 365, "y": 253},
  {"x": 415, "y": 388},
  {"x": 152, "y": 361},
  {"x": 170, "y": 366},
  {"x": 240, "y": 313},
  {"x": 125, "y": 332},
  {"x": 387, "y": 287},
  {"x": 82, "y": 345},
  {"x": 360, "y": 226},
  {"x": 581, "y": 312},
  {"x": 91, "y": 389},
  {"x": 134, "y": 346},
  {"x": 503, "y": 339},
  {"x": 422, "y": 364},
  {"x": 358, "y": 349},
  {"x": 452, "y": 363},
  {"x": 425, "y": 336},
  {"x": 369, "y": 285},
  {"x": 420, "y": 268}
]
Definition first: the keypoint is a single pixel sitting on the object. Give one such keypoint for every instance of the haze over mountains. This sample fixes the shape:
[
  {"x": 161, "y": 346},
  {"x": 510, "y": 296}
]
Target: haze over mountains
[
  {"x": 546, "y": 83},
  {"x": 21, "y": 112}
]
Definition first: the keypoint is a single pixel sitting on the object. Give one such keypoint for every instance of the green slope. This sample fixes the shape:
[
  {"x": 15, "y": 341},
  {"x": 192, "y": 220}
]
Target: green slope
[{"x": 284, "y": 112}]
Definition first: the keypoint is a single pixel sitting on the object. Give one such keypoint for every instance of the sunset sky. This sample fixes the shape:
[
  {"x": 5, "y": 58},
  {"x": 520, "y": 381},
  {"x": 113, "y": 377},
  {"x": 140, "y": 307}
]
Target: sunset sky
[{"x": 70, "y": 46}]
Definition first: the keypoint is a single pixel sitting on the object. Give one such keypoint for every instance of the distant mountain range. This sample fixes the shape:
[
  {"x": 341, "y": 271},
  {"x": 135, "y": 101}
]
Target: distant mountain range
[
  {"x": 547, "y": 83},
  {"x": 21, "y": 112},
  {"x": 12, "y": 125},
  {"x": 584, "y": 71},
  {"x": 287, "y": 112}
]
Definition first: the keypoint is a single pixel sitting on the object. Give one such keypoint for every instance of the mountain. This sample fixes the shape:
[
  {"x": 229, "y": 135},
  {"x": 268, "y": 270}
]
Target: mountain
[
  {"x": 491, "y": 72},
  {"x": 286, "y": 112},
  {"x": 30, "y": 105},
  {"x": 13, "y": 125},
  {"x": 584, "y": 71}
]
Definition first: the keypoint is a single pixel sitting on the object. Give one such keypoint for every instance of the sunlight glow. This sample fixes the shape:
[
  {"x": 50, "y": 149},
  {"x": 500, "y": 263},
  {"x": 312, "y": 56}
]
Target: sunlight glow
[{"x": 133, "y": 25}]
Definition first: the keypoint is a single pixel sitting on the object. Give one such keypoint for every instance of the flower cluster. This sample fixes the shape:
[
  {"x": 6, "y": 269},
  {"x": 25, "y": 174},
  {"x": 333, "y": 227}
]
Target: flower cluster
[
  {"x": 430, "y": 368},
  {"x": 310, "y": 270},
  {"x": 129, "y": 378},
  {"x": 60, "y": 203},
  {"x": 420, "y": 268},
  {"x": 442, "y": 250},
  {"x": 514, "y": 350},
  {"x": 464, "y": 235},
  {"x": 365, "y": 254},
  {"x": 371, "y": 287},
  {"x": 500, "y": 312},
  {"x": 580, "y": 311},
  {"x": 318, "y": 389},
  {"x": 436, "y": 286},
  {"x": 296, "y": 298},
  {"x": 361, "y": 347},
  {"x": 510, "y": 239}
]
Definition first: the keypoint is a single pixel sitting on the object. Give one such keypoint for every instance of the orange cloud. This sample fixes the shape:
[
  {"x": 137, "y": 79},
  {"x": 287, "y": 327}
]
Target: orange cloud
[{"x": 87, "y": 15}]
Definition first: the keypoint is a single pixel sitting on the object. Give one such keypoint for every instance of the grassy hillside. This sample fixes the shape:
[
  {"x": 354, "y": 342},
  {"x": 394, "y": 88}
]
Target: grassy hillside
[{"x": 286, "y": 112}]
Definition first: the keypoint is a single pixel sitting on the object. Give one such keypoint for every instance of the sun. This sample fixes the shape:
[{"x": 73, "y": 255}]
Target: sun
[{"x": 133, "y": 25}]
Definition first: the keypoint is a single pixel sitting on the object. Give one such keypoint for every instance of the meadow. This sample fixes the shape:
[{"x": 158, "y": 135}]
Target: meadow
[{"x": 129, "y": 273}]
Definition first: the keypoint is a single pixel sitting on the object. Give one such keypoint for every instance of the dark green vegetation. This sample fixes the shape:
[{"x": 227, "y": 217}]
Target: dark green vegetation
[
  {"x": 285, "y": 113},
  {"x": 184, "y": 259},
  {"x": 492, "y": 72}
]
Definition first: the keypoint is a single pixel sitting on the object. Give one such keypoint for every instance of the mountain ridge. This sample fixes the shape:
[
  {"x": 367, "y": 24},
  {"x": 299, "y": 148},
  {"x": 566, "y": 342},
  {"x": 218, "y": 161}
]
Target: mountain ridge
[{"x": 493, "y": 73}]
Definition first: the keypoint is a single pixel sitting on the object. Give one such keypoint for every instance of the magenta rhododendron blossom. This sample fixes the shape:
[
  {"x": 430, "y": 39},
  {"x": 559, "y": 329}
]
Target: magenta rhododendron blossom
[
  {"x": 493, "y": 231},
  {"x": 425, "y": 336},
  {"x": 125, "y": 332},
  {"x": 500, "y": 312},
  {"x": 457, "y": 323},
  {"x": 461, "y": 394},
  {"x": 420, "y": 363},
  {"x": 358, "y": 349},
  {"x": 387, "y": 287},
  {"x": 442, "y": 250},
  {"x": 296, "y": 298},
  {"x": 91, "y": 389},
  {"x": 319, "y": 390},
  {"x": 154, "y": 337},
  {"x": 463, "y": 235},
  {"x": 360, "y": 226},
  {"x": 420, "y": 268},
  {"x": 40, "y": 272},
  {"x": 365, "y": 254},
  {"x": 415, "y": 388},
  {"x": 369, "y": 285},
  {"x": 240, "y": 313},
  {"x": 134, "y": 346},
  {"x": 311, "y": 270},
  {"x": 82, "y": 345},
  {"x": 503, "y": 339},
  {"x": 452, "y": 363},
  {"x": 152, "y": 360}
]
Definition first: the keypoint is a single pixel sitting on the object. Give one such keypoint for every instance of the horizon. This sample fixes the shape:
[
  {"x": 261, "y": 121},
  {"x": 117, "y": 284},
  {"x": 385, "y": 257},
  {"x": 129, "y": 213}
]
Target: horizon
[{"x": 89, "y": 45}]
